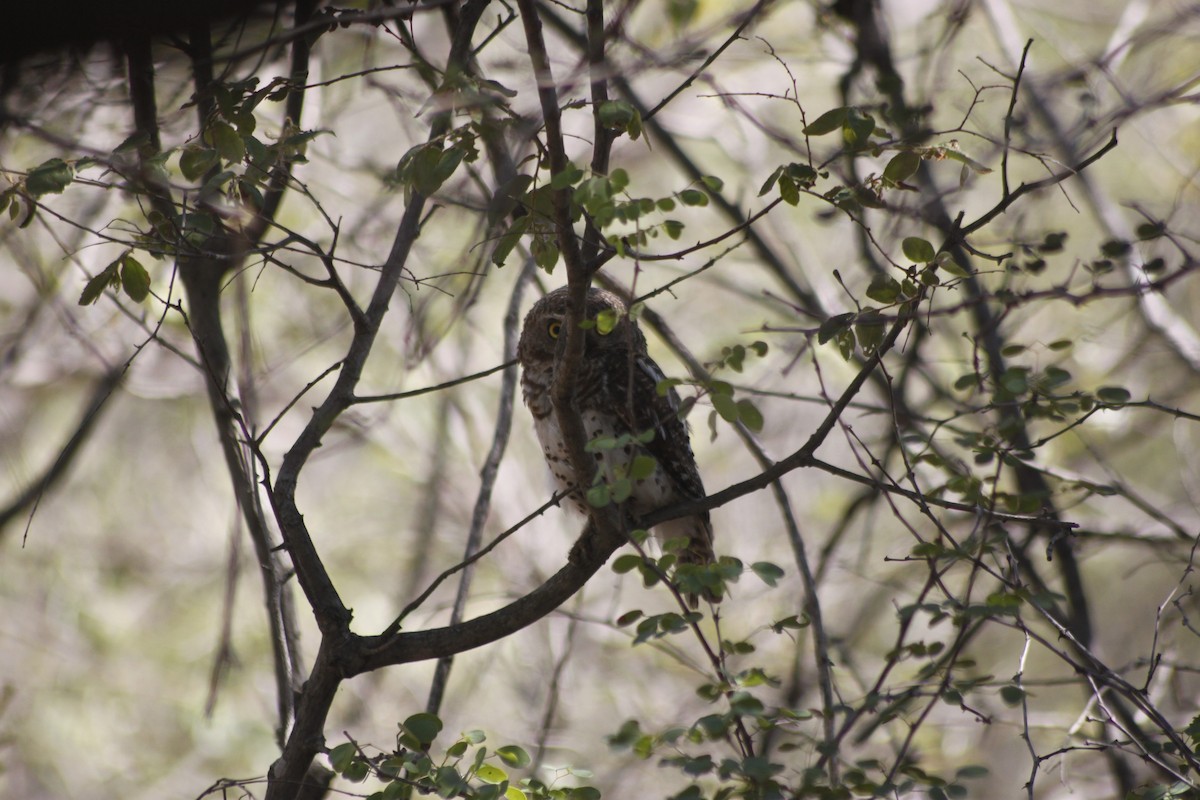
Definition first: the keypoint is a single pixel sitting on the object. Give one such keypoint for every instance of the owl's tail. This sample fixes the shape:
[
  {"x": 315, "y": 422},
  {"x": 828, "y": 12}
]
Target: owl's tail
[{"x": 698, "y": 532}]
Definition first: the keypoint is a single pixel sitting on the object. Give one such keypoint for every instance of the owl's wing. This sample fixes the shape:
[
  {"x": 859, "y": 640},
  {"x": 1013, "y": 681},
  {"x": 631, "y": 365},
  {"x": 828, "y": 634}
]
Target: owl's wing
[{"x": 646, "y": 409}]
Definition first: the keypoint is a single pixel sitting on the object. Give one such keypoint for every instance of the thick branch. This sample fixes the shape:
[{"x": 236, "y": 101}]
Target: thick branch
[
  {"x": 304, "y": 742},
  {"x": 423, "y": 645}
]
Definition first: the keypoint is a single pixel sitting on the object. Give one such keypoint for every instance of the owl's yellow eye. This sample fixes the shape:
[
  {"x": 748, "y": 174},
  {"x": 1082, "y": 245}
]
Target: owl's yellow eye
[{"x": 554, "y": 328}]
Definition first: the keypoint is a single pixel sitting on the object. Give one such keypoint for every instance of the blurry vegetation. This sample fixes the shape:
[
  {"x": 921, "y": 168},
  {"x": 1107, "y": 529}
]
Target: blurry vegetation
[{"x": 273, "y": 524}]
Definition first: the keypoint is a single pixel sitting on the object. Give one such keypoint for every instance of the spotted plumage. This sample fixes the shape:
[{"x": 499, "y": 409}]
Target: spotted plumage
[{"x": 616, "y": 394}]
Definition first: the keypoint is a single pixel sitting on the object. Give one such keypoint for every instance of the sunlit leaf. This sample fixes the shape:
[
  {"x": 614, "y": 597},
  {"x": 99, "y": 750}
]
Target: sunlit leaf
[
  {"x": 491, "y": 774},
  {"x": 643, "y": 466},
  {"x": 134, "y": 279},
  {"x": 514, "y": 756},
  {"x": 599, "y": 496}
]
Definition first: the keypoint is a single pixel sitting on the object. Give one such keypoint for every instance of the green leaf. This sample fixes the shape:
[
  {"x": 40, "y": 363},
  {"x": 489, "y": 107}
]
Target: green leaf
[
  {"x": 1015, "y": 380},
  {"x": 642, "y": 467},
  {"x": 902, "y": 166},
  {"x": 917, "y": 249},
  {"x": 490, "y": 774},
  {"x": 615, "y": 114},
  {"x": 601, "y": 444},
  {"x": 49, "y": 177},
  {"x": 424, "y": 169},
  {"x": 857, "y": 130},
  {"x": 1115, "y": 248},
  {"x": 832, "y": 326},
  {"x": 749, "y": 414},
  {"x": 1113, "y": 395},
  {"x": 629, "y": 617},
  {"x": 1054, "y": 377},
  {"x": 249, "y": 193},
  {"x": 96, "y": 286},
  {"x": 606, "y": 320},
  {"x": 357, "y": 771},
  {"x": 767, "y": 572},
  {"x": 195, "y": 161},
  {"x": 664, "y": 387},
  {"x": 828, "y": 122},
  {"x": 720, "y": 387},
  {"x": 514, "y": 756},
  {"x": 770, "y": 181},
  {"x": 673, "y": 228},
  {"x": 845, "y": 341},
  {"x": 341, "y": 756},
  {"x": 1012, "y": 695},
  {"x": 1151, "y": 230},
  {"x": 599, "y": 496},
  {"x": 509, "y": 240},
  {"x": 132, "y": 143},
  {"x": 725, "y": 406},
  {"x": 869, "y": 329},
  {"x": 134, "y": 279},
  {"x": 945, "y": 261},
  {"x": 423, "y": 727},
  {"x": 1053, "y": 243},
  {"x": 568, "y": 177},
  {"x": 788, "y": 191},
  {"x": 622, "y": 488},
  {"x": 618, "y": 179},
  {"x": 214, "y": 184},
  {"x": 228, "y": 142},
  {"x": 1192, "y": 731},
  {"x": 545, "y": 252},
  {"x": 803, "y": 174},
  {"x": 693, "y": 197},
  {"x": 966, "y": 161},
  {"x": 448, "y": 163},
  {"x": 884, "y": 288}
]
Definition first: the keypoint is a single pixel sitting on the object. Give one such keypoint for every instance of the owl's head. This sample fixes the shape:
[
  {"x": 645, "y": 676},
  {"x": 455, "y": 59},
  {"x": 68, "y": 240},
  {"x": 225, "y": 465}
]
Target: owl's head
[{"x": 544, "y": 334}]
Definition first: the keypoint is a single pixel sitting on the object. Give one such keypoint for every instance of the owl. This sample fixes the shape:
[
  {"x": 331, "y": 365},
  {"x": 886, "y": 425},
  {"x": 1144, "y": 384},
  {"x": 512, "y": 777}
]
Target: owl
[{"x": 616, "y": 393}]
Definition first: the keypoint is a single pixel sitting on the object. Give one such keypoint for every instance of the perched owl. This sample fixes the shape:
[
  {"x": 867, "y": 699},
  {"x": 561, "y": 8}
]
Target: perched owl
[{"x": 616, "y": 394}]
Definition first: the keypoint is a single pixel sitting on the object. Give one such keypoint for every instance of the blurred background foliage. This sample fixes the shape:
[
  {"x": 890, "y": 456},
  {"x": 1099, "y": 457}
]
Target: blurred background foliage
[{"x": 135, "y": 658}]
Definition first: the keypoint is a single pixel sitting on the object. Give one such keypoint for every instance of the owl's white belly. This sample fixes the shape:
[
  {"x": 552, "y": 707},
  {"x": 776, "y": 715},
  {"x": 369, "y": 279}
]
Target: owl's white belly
[{"x": 649, "y": 493}]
